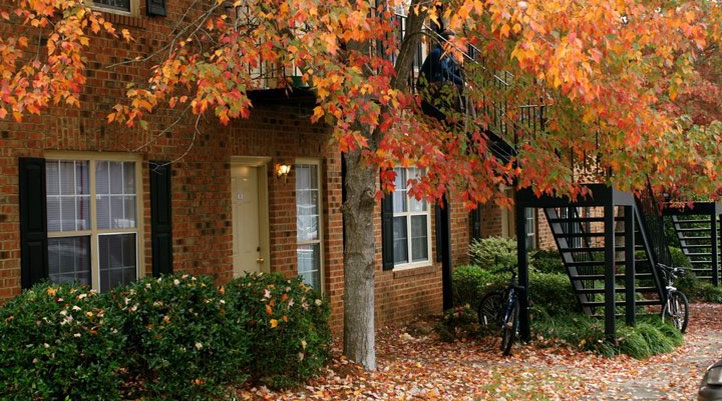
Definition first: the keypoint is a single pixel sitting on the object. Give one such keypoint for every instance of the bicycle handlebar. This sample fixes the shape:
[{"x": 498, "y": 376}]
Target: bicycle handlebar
[{"x": 671, "y": 269}]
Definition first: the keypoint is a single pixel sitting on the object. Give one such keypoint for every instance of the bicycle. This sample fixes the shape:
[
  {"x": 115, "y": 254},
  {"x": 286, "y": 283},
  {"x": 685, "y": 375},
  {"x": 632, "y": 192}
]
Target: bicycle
[
  {"x": 676, "y": 305},
  {"x": 500, "y": 309}
]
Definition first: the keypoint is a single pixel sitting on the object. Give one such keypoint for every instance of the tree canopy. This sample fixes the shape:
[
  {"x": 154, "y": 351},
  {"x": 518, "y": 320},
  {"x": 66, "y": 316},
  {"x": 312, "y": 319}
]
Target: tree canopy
[{"x": 615, "y": 83}]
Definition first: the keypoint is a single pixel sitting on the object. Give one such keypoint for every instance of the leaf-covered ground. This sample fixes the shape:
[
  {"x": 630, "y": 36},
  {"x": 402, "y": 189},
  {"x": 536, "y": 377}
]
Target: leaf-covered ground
[{"x": 413, "y": 366}]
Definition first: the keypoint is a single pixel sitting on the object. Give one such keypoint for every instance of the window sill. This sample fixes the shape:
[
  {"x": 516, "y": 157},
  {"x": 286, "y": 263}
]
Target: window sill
[
  {"x": 124, "y": 19},
  {"x": 414, "y": 271}
]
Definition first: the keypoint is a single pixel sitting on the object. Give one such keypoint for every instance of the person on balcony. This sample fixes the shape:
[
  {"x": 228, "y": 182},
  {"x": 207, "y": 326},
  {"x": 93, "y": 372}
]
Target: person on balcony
[{"x": 441, "y": 81}]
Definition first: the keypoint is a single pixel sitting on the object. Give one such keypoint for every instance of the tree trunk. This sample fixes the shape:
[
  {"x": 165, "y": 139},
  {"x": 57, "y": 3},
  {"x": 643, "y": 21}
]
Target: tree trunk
[{"x": 359, "y": 261}]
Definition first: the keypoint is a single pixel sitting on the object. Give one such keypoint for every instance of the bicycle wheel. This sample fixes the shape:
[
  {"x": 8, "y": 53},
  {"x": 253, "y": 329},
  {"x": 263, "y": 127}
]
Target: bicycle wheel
[
  {"x": 676, "y": 309},
  {"x": 490, "y": 312},
  {"x": 508, "y": 329}
]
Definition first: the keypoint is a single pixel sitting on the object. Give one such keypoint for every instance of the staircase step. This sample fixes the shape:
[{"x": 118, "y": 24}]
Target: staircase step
[
  {"x": 692, "y": 221},
  {"x": 599, "y": 219},
  {"x": 692, "y": 229},
  {"x": 697, "y": 246},
  {"x": 622, "y": 303},
  {"x": 699, "y": 262},
  {"x": 617, "y": 289},
  {"x": 698, "y": 254},
  {"x": 590, "y": 249}
]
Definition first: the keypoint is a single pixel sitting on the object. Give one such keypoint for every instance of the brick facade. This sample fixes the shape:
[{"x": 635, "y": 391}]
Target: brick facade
[{"x": 277, "y": 130}]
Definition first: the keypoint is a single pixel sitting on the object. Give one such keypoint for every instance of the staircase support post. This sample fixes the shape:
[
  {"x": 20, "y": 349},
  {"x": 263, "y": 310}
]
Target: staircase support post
[
  {"x": 523, "y": 266},
  {"x": 715, "y": 250},
  {"x": 630, "y": 268},
  {"x": 609, "y": 285}
]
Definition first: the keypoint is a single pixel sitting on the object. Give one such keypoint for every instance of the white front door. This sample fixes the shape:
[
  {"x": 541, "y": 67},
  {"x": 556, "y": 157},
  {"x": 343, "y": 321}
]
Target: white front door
[{"x": 249, "y": 219}]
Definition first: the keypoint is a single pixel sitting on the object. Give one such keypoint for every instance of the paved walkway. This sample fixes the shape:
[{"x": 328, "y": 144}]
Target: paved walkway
[{"x": 674, "y": 376}]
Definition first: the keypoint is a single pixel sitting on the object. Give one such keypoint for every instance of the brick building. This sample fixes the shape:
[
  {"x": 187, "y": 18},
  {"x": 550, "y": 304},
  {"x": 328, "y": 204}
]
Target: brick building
[{"x": 103, "y": 204}]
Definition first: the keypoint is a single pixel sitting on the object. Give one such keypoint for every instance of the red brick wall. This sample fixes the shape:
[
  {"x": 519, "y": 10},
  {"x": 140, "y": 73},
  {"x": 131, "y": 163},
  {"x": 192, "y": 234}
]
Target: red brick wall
[{"x": 202, "y": 218}]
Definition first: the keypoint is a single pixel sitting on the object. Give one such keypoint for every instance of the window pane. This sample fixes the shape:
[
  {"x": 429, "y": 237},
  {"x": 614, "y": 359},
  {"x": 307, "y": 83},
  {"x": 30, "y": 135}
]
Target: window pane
[
  {"x": 102, "y": 181},
  {"x": 419, "y": 238},
  {"x": 102, "y": 211},
  {"x": 400, "y": 240},
  {"x": 52, "y": 178},
  {"x": 303, "y": 179},
  {"x": 417, "y": 205},
  {"x": 67, "y": 214},
  {"x": 307, "y": 228},
  {"x": 53, "y": 205},
  {"x": 129, "y": 208},
  {"x": 82, "y": 213},
  {"x": 116, "y": 177},
  {"x": 117, "y": 255},
  {"x": 123, "y": 5},
  {"x": 129, "y": 178},
  {"x": 67, "y": 177},
  {"x": 69, "y": 260},
  {"x": 309, "y": 264}
]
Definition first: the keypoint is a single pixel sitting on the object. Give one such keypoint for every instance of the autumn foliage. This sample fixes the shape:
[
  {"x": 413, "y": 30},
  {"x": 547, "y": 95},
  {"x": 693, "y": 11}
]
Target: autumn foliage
[{"x": 41, "y": 53}]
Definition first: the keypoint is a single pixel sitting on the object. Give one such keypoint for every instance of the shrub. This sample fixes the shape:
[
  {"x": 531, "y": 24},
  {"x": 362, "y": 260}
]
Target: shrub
[
  {"x": 288, "y": 324},
  {"x": 711, "y": 293},
  {"x": 689, "y": 284},
  {"x": 470, "y": 282},
  {"x": 678, "y": 258},
  {"x": 553, "y": 293},
  {"x": 493, "y": 252},
  {"x": 56, "y": 344},
  {"x": 548, "y": 261},
  {"x": 184, "y": 342}
]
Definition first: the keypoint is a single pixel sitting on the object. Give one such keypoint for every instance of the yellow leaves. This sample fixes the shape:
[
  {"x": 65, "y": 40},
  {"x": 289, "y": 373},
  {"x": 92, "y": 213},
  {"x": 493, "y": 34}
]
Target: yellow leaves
[
  {"x": 52, "y": 291},
  {"x": 273, "y": 323}
]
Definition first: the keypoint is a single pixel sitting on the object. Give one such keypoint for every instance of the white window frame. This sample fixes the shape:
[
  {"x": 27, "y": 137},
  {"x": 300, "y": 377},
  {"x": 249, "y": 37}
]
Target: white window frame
[
  {"x": 408, "y": 214},
  {"x": 321, "y": 238},
  {"x": 134, "y": 8},
  {"x": 94, "y": 233}
]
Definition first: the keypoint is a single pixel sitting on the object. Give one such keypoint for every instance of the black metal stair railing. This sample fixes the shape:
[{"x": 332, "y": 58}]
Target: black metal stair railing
[{"x": 653, "y": 222}]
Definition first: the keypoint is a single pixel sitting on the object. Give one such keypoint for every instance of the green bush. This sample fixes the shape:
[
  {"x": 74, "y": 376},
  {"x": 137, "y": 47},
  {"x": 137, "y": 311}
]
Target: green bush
[
  {"x": 183, "y": 341},
  {"x": 470, "y": 282},
  {"x": 493, "y": 252},
  {"x": 552, "y": 292},
  {"x": 288, "y": 324},
  {"x": 56, "y": 344},
  {"x": 689, "y": 284},
  {"x": 548, "y": 261},
  {"x": 711, "y": 293},
  {"x": 678, "y": 258}
]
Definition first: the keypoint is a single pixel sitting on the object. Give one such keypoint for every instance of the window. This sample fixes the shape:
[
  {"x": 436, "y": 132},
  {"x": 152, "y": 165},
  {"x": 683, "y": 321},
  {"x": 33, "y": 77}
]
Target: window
[
  {"x": 411, "y": 223},
  {"x": 120, "y": 6},
  {"x": 92, "y": 221},
  {"x": 309, "y": 235},
  {"x": 530, "y": 217}
]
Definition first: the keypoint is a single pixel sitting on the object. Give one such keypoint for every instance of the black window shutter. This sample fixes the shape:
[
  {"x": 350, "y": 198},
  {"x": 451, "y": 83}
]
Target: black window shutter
[
  {"x": 387, "y": 231},
  {"x": 475, "y": 217},
  {"x": 156, "y": 8},
  {"x": 160, "y": 217},
  {"x": 33, "y": 222}
]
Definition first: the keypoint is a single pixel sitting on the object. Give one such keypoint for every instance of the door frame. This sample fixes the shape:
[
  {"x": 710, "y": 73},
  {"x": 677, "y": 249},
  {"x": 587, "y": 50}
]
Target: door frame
[{"x": 260, "y": 163}]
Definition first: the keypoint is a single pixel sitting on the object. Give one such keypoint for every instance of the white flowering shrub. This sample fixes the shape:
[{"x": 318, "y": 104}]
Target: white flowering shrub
[
  {"x": 288, "y": 324},
  {"x": 56, "y": 343},
  {"x": 183, "y": 341}
]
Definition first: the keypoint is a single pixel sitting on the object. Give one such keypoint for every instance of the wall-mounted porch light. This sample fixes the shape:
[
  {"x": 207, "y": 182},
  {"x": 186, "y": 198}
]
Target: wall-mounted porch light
[{"x": 282, "y": 171}]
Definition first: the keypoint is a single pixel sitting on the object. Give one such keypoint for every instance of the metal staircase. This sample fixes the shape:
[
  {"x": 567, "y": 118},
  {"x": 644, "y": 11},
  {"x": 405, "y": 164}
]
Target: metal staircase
[
  {"x": 697, "y": 229},
  {"x": 581, "y": 243}
]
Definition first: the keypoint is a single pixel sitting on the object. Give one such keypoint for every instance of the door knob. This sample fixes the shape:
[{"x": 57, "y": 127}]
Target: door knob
[{"x": 260, "y": 260}]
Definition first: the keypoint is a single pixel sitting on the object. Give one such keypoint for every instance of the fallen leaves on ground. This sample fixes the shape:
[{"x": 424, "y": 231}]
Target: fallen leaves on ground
[{"x": 420, "y": 367}]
